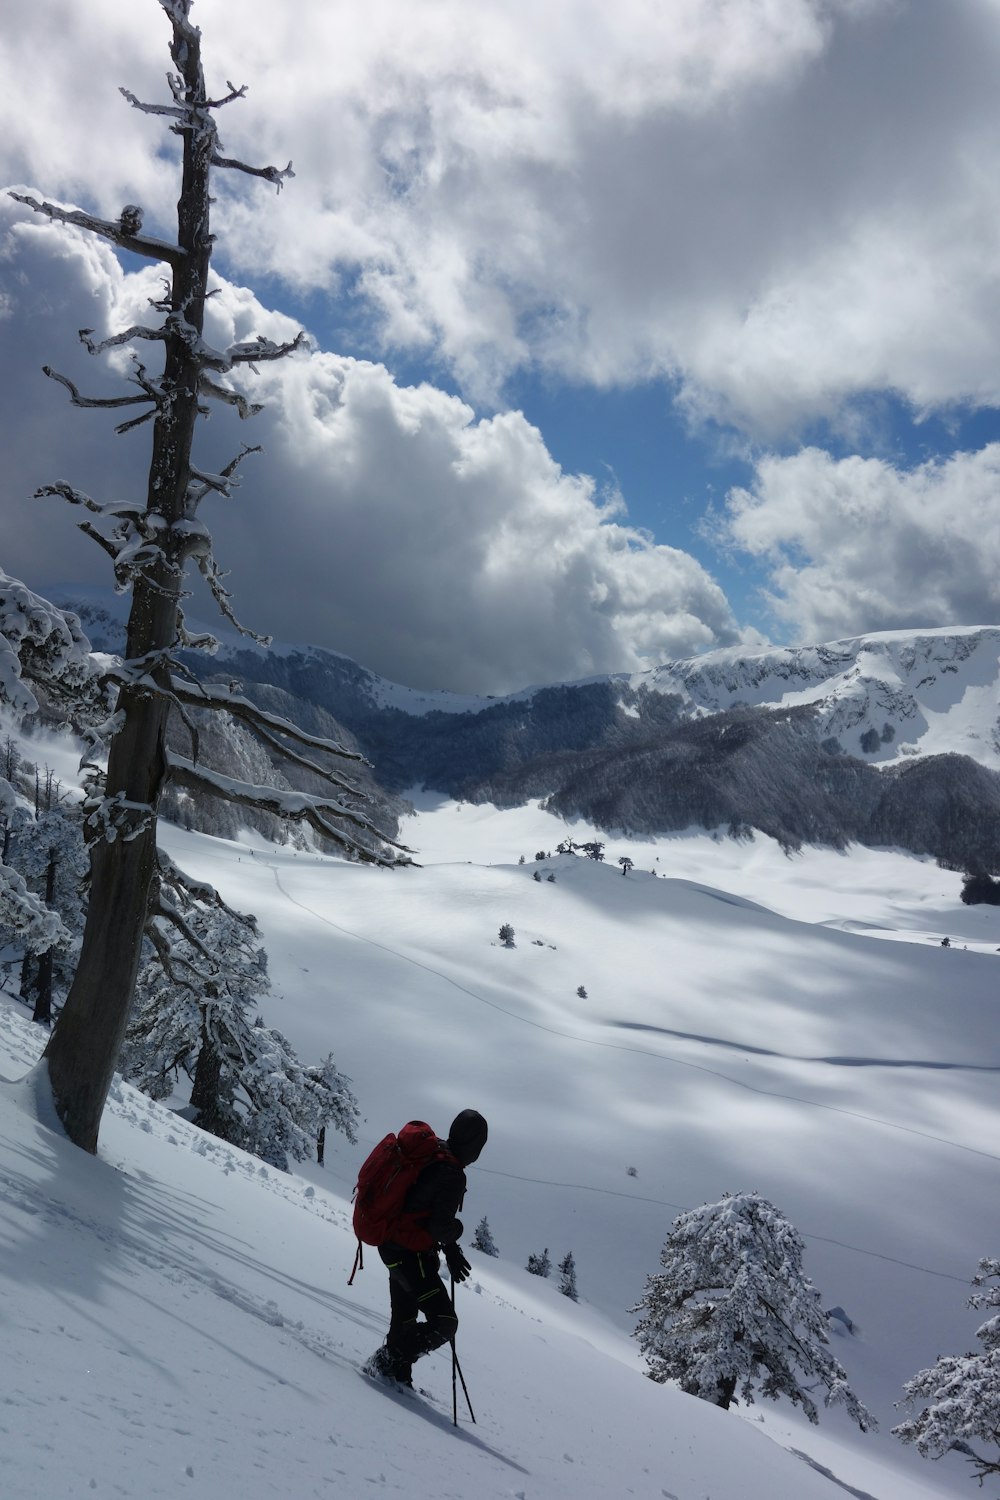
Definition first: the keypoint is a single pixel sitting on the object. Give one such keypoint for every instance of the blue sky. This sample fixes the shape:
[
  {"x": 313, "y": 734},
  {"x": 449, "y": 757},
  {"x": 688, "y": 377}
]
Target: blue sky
[{"x": 736, "y": 263}]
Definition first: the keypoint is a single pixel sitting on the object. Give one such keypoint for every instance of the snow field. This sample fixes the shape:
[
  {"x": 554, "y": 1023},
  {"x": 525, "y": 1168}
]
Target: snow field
[{"x": 177, "y": 1314}]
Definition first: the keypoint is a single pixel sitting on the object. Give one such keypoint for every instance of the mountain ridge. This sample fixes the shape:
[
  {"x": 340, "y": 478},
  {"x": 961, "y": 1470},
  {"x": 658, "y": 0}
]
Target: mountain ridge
[{"x": 884, "y": 738}]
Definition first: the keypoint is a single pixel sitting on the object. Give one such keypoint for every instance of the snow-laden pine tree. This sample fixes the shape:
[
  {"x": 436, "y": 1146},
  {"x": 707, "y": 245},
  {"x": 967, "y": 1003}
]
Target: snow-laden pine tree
[
  {"x": 483, "y": 1238},
  {"x": 732, "y": 1311},
  {"x": 44, "y": 659},
  {"x": 203, "y": 974},
  {"x": 567, "y": 1277},
  {"x": 50, "y": 853},
  {"x": 959, "y": 1397},
  {"x": 152, "y": 545},
  {"x": 539, "y": 1265}
]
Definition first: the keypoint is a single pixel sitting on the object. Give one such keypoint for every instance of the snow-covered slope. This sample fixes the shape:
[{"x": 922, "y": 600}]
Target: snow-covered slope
[
  {"x": 911, "y": 692},
  {"x": 176, "y": 1322},
  {"x": 177, "y": 1318},
  {"x": 726, "y": 1041}
]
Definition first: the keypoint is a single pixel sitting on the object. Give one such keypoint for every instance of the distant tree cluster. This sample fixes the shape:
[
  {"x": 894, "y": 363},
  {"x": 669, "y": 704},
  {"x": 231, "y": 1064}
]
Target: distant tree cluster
[
  {"x": 772, "y": 770},
  {"x": 541, "y": 1265},
  {"x": 594, "y": 849}
]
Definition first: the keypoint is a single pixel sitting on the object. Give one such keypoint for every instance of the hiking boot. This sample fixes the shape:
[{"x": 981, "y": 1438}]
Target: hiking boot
[{"x": 385, "y": 1364}]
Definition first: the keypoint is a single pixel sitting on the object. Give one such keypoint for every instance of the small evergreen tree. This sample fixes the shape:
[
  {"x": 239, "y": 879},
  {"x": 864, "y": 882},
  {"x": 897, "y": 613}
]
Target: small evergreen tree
[
  {"x": 732, "y": 1309},
  {"x": 507, "y": 935},
  {"x": 539, "y": 1265},
  {"x": 483, "y": 1239},
  {"x": 959, "y": 1397},
  {"x": 625, "y": 863},
  {"x": 567, "y": 1277}
]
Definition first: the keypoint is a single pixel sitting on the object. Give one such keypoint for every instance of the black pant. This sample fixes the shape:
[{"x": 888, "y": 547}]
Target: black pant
[{"x": 414, "y": 1288}]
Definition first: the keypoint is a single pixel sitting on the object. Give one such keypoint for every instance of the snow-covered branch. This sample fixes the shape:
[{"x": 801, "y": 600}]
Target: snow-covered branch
[
  {"x": 244, "y": 407},
  {"x": 103, "y": 402},
  {"x": 213, "y": 576},
  {"x": 260, "y": 350},
  {"x": 127, "y": 336},
  {"x": 289, "y": 806},
  {"x": 43, "y": 645},
  {"x": 139, "y": 244},
  {"x": 214, "y": 695},
  {"x": 277, "y": 175},
  {"x": 958, "y": 1399}
]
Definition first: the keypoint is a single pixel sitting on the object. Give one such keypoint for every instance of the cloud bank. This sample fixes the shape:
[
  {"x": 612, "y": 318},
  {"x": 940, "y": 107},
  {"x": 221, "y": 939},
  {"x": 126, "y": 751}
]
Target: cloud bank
[
  {"x": 780, "y": 205},
  {"x": 384, "y": 521}
]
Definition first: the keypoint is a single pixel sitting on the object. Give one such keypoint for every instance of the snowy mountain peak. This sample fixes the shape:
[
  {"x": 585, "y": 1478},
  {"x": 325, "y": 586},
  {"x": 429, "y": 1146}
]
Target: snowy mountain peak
[{"x": 885, "y": 696}]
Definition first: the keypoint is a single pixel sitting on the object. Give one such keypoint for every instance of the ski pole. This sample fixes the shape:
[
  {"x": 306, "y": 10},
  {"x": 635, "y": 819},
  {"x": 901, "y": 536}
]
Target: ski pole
[
  {"x": 465, "y": 1388},
  {"x": 456, "y": 1369}
]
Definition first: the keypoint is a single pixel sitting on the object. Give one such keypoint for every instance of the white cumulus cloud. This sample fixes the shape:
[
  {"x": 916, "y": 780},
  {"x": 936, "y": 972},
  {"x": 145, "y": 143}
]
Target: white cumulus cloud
[
  {"x": 780, "y": 205},
  {"x": 385, "y": 521},
  {"x": 859, "y": 544}
]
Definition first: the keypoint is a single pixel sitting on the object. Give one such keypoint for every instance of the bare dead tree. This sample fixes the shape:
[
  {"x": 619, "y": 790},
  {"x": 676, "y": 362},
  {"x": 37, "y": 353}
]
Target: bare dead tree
[{"x": 152, "y": 546}]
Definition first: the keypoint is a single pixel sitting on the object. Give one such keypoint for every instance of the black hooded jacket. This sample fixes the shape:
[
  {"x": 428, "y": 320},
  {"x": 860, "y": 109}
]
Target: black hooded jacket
[{"x": 436, "y": 1196}]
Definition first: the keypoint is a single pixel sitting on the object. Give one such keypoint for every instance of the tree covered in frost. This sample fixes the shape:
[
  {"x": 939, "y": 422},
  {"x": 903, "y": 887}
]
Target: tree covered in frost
[
  {"x": 203, "y": 973},
  {"x": 958, "y": 1399},
  {"x": 49, "y": 852},
  {"x": 567, "y": 1277},
  {"x": 732, "y": 1311},
  {"x": 152, "y": 544},
  {"x": 45, "y": 660},
  {"x": 483, "y": 1239},
  {"x": 539, "y": 1265}
]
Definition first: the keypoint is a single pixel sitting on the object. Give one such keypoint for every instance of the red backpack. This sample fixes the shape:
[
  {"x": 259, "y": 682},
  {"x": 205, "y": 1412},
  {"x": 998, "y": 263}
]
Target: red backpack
[{"x": 383, "y": 1183}]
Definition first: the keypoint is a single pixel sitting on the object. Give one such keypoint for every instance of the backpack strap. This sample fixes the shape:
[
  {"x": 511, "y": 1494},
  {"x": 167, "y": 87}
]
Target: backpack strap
[{"x": 359, "y": 1263}]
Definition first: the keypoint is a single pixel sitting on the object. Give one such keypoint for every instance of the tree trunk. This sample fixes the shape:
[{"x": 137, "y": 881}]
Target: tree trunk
[
  {"x": 205, "y": 1090},
  {"x": 84, "y": 1046},
  {"x": 26, "y": 963},
  {"x": 726, "y": 1392}
]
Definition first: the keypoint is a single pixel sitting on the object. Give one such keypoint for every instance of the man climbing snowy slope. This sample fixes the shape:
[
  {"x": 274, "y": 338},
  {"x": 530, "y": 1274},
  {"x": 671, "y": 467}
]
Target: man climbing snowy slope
[{"x": 410, "y": 1243}]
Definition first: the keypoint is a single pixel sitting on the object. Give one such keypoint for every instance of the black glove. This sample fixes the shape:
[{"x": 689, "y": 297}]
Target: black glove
[{"x": 457, "y": 1263}]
